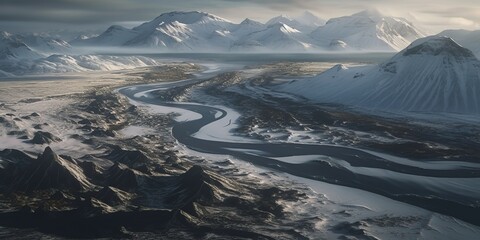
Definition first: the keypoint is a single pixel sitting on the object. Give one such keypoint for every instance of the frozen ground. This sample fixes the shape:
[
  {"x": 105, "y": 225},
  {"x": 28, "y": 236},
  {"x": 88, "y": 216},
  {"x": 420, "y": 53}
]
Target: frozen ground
[
  {"x": 327, "y": 210},
  {"x": 378, "y": 216}
]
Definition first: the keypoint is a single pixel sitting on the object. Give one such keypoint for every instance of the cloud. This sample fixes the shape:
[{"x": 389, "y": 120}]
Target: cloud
[
  {"x": 84, "y": 11},
  {"x": 429, "y": 14}
]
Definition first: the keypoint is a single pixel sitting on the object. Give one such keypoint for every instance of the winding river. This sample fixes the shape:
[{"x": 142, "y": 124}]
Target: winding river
[{"x": 366, "y": 171}]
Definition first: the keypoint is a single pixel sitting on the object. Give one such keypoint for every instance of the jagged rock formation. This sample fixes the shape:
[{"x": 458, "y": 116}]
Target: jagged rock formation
[
  {"x": 41, "y": 137},
  {"x": 48, "y": 171}
]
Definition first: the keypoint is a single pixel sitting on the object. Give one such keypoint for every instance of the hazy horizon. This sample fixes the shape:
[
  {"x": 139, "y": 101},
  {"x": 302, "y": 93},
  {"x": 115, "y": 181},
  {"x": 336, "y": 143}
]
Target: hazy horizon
[{"x": 76, "y": 16}]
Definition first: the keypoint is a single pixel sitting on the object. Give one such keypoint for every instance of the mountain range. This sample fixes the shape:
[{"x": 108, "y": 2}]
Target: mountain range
[
  {"x": 198, "y": 31},
  {"x": 367, "y": 31},
  {"x": 433, "y": 74}
]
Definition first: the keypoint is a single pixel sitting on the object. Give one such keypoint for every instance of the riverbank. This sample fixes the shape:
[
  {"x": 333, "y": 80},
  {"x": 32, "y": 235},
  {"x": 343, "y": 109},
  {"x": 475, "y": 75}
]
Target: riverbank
[{"x": 120, "y": 162}]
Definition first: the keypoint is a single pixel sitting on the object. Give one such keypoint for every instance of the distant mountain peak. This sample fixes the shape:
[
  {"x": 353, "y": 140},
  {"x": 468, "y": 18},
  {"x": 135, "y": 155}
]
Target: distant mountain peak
[
  {"x": 280, "y": 18},
  {"x": 308, "y": 13},
  {"x": 372, "y": 13},
  {"x": 283, "y": 27},
  {"x": 187, "y": 17},
  {"x": 369, "y": 29},
  {"x": 116, "y": 27},
  {"x": 433, "y": 74},
  {"x": 438, "y": 45},
  {"x": 308, "y": 18},
  {"x": 249, "y": 21}
]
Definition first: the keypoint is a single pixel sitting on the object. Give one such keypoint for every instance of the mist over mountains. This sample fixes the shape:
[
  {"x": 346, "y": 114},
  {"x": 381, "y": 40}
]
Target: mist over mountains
[{"x": 201, "y": 32}]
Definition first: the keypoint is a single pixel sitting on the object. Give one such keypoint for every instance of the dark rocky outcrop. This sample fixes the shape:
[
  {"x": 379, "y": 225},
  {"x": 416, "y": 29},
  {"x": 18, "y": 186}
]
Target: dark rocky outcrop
[
  {"x": 112, "y": 196},
  {"x": 122, "y": 177},
  {"x": 131, "y": 158},
  {"x": 48, "y": 171},
  {"x": 41, "y": 137}
]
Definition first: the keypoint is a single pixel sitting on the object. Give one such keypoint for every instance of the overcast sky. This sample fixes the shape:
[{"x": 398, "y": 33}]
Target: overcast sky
[{"x": 83, "y": 15}]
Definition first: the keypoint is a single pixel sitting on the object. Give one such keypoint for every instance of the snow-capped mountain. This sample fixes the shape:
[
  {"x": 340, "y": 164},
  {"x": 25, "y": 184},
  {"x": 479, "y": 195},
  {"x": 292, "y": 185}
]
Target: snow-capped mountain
[
  {"x": 45, "y": 44},
  {"x": 30, "y": 54},
  {"x": 199, "y": 31},
  {"x": 203, "y": 32},
  {"x": 31, "y": 45},
  {"x": 175, "y": 30},
  {"x": 12, "y": 48},
  {"x": 73, "y": 63},
  {"x": 305, "y": 23},
  {"x": 276, "y": 36},
  {"x": 468, "y": 39},
  {"x": 180, "y": 30},
  {"x": 247, "y": 27},
  {"x": 310, "y": 19},
  {"x": 113, "y": 36},
  {"x": 433, "y": 74},
  {"x": 368, "y": 30}
]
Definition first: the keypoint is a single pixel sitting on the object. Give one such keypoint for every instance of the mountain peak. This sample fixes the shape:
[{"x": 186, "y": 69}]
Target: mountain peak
[
  {"x": 308, "y": 14},
  {"x": 187, "y": 17},
  {"x": 372, "y": 13},
  {"x": 437, "y": 45},
  {"x": 48, "y": 153},
  {"x": 308, "y": 18},
  {"x": 283, "y": 27},
  {"x": 50, "y": 171},
  {"x": 249, "y": 21},
  {"x": 115, "y": 27},
  {"x": 278, "y": 19}
]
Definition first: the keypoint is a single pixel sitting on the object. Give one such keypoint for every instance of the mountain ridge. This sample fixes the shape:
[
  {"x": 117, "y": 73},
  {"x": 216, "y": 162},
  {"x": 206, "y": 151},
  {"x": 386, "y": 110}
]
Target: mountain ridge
[
  {"x": 200, "y": 31},
  {"x": 434, "y": 74}
]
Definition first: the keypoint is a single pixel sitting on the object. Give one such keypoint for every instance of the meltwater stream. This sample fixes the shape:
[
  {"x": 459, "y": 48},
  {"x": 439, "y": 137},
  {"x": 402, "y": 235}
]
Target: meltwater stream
[{"x": 366, "y": 171}]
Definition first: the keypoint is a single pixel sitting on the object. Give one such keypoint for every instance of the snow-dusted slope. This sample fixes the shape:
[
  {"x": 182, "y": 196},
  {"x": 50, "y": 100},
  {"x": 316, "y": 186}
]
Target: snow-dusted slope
[
  {"x": 305, "y": 23},
  {"x": 200, "y": 32},
  {"x": 288, "y": 21},
  {"x": 468, "y": 39},
  {"x": 278, "y": 36},
  {"x": 30, "y": 46},
  {"x": 203, "y": 32},
  {"x": 27, "y": 54},
  {"x": 45, "y": 44},
  {"x": 368, "y": 30},
  {"x": 82, "y": 63},
  {"x": 310, "y": 19},
  {"x": 433, "y": 74},
  {"x": 173, "y": 31},
  {"x": 68, "y": 63},
  {"x": 113, "y": 36},
  {"x": 13, "y": 49},
  {"x": 247, "y": 27},
  {"x": 180, "y": 30}
]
